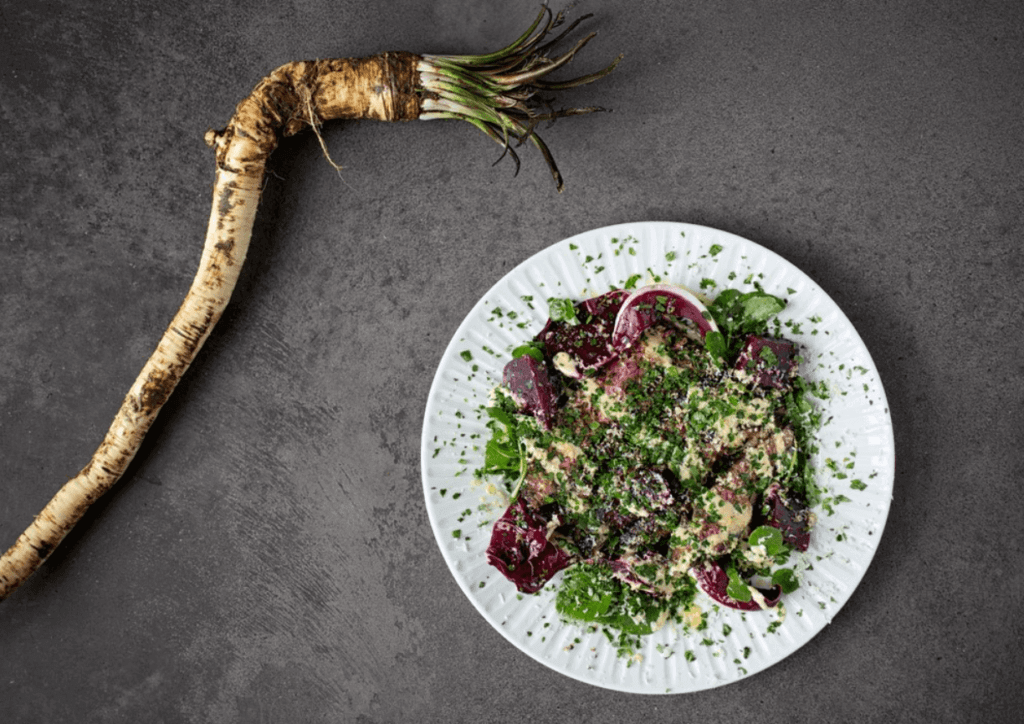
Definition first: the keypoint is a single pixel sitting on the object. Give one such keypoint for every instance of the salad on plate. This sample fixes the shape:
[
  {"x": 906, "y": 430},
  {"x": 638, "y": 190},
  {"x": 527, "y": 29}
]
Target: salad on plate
[
  {"x": 651, "y": 445},
  {"x": 623, "y": 475}
]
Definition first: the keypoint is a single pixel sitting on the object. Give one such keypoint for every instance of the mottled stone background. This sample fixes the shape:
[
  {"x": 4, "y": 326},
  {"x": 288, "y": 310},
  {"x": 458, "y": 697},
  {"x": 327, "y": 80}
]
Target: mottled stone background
[{"x": 268, "y": 557}]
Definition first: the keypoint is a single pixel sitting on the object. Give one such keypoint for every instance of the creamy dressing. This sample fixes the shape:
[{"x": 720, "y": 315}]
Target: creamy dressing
[{"x": 565, "y": 364}]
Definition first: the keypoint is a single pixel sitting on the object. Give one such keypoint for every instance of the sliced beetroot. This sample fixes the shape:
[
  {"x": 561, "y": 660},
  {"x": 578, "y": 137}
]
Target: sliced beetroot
[
  {"x": 520, "y": 549},
  {"x": 770, "y": 361},
  {"x": 714, "y": 581},
  {"x": 656, "y": 303},
  {"x": 792, "y": 518},
  {"x": 618, "y": 372},
  {"x": 528, "y": 382},
  {"x": 588, "y": 343}
]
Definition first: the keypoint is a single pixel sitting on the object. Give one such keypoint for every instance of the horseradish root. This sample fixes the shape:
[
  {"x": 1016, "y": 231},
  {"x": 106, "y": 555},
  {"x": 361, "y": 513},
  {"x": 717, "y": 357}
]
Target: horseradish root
[{"x": 499, "y": 93}]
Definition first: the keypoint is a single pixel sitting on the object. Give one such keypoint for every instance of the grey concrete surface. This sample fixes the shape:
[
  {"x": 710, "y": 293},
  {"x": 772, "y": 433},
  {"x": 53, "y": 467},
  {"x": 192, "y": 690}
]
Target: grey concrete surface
[{"x": 268, "y": 557}]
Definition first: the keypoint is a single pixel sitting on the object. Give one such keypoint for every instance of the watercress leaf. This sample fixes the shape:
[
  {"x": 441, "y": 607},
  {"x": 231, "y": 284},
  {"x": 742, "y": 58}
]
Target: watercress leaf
[
  {"x": 498, "y": 458},
  {"x": 785, "y": 579},
  {"x": 501, "y": 416},
  {"x": 586, "y": 595},
  {"x": 770, "y": 538},
  {"x": 737, "y": 588},
  {"x": 726, "y": 299},
  {"x": 628, "y": 624},
  {"x": 592, "y": 609},
  {"x": 714, "y": 342},
  {"x": 530, "y": 348},
  {"x": 759, "y": 307}
]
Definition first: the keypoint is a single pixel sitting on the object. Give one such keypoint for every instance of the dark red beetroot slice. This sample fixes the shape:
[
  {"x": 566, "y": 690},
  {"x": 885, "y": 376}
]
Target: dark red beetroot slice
[
  {"x": 793, "y": 519},
  {"x": 588, "y": 343},
  {"x": 521, "y": 551},
  {"x": 771, "y": 368},
  {"x": 530, "y": 386},
  {"x": 652, "y": 304},
  {"x": 713, "y": 579}
]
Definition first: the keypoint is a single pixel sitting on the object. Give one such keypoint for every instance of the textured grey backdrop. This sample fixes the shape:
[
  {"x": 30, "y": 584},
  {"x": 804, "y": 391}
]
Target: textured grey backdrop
[{"x": 268, "y": 556}]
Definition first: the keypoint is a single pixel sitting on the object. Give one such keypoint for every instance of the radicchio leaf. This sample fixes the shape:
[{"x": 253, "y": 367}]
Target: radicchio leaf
[
  {"x": 792, "y": 518},
  {"x": 625, "y": 569},
  {"x": 528, "y": 382},
  {"x": 713, "y": 579}
]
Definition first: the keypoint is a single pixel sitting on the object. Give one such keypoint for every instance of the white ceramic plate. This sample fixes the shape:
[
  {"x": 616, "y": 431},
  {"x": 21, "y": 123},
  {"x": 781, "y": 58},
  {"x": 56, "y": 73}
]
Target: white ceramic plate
[{"x": 856, "y": 462}]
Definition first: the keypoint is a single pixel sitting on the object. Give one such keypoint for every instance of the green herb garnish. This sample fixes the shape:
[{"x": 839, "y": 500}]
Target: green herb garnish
[
  {"x": 532, "y": 348},
  {"x": 785, "y": 579},
  {"x": 562, "y": 310}
]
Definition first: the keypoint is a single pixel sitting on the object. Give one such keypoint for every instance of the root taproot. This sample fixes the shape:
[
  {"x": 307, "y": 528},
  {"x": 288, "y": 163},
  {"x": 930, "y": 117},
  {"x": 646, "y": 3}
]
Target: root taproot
[{"x": 497, "y": 93}]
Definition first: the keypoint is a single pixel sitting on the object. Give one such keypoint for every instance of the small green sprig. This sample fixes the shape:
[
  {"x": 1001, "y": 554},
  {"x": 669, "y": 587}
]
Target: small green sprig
[
  {"x": 505, "y": 454},
  {"x": 737, "y": 315},
  {"x": 562, "y": 310}
]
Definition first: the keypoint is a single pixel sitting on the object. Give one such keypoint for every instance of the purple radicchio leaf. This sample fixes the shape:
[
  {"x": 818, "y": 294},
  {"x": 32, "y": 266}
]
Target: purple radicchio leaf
[
  {"x": 528, "y": 382},
  {"x": 655, "y": 303},
  {"x": 791, "y": 517},
  {"x": 713, "y": 579}
]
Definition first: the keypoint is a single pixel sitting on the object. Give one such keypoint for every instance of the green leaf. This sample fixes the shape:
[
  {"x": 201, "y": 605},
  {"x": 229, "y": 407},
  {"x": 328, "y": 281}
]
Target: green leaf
[
  {"x": 770, "y": 538},
  {"x": 768, "y": 356},
  {"x": 759, "y": 307},
  {"x": 500, "y": 415},
  {"x": 714, "y": 342},
  {"x": 503, "y": 454},
  {"x": 737, "y": 588},
  {"x": 585, "y": 595},
  {"x": 786, "y": 580},
  {"x": 727, "y": 297},
  {"x": 531, "y": 348},
  {"x": 739, "y": 314},
  {"x": 562, "y": 310},
  {"x": 499, "y": 458},
  {"x": 629, "y": 625},
  {"x": 593, "y": 609}
]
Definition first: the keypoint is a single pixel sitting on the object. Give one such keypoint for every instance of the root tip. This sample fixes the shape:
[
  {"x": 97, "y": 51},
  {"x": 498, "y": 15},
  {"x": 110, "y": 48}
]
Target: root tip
[{"x": 211, "y": 137}]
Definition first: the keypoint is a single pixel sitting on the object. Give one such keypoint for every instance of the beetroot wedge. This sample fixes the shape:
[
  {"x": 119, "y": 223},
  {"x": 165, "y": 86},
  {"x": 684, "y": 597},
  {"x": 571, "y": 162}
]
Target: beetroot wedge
[
  {"x": 769, "y": 361},
  {"x": 588, "y": 343},
  {"x": 656, "y": 303},
  {"x": 522, "y": 552}
]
